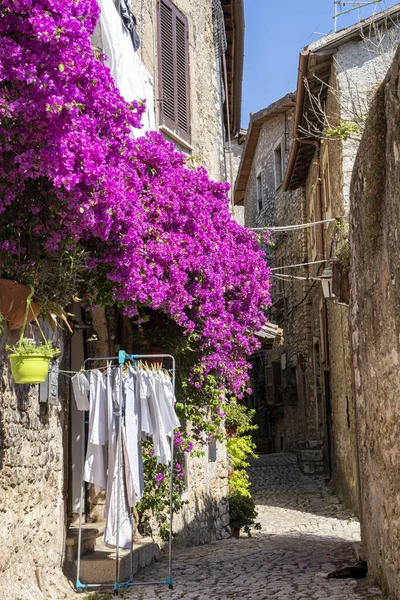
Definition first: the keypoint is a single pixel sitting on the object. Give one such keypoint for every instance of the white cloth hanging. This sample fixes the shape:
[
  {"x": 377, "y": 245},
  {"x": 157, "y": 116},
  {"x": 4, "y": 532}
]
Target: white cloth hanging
[
  {"x": 112, "y": 497},
  {"x": 129, "y": 73},
  {"x": 95, "y": 466},
  {"x": 146, "y": 422},
  {"x": 163, "y": 417},
  {"x": 166, "y": 401},
  {"x": 80, "y": 388},
  {"x": 133, "y": 465}
]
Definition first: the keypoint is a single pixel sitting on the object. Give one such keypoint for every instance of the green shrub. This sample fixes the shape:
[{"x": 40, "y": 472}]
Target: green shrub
[
  {"x": 242, "y": 512},
  {"x": 240, "y": 482}
]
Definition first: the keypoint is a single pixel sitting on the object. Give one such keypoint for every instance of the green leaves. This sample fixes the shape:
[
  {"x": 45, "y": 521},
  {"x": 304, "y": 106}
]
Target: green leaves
[{"x": 28, "y": 348}]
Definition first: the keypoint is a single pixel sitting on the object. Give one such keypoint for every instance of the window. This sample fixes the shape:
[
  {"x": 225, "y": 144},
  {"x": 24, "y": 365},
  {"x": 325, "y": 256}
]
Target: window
[
  {"x": 173, "y": 55},
  {"x": 259, "y": 193},
  {"x": 212, "y": 451},
  {"x": 278, "y": 165},
  {"x": 326, "y": 190},
  {"x": 281, "y": 282},
  {"x": 274, "y": 383}
]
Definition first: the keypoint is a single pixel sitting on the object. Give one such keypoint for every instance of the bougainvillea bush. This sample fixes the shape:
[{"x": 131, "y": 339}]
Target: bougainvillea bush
[{"x": 155, "y": 234}]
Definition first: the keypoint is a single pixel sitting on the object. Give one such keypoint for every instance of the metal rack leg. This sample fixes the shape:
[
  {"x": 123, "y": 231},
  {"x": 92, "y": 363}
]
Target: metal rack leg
[
  {"x": 78, "y": 585},
  {"x": 119, "y": 474},
  {"x": 171, "y": 488}
]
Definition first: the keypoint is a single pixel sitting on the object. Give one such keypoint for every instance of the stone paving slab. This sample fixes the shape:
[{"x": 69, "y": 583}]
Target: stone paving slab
[{"x": 306, "y": 533}]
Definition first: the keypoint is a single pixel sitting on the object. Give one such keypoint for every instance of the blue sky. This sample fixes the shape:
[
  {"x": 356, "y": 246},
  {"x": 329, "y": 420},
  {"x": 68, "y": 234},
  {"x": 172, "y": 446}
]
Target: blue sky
[{"x": 276, "y": 31}]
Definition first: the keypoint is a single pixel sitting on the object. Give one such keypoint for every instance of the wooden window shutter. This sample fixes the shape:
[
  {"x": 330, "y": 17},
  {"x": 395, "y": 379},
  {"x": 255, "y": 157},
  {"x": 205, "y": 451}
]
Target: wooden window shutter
[{"x": 173, "y": 53}]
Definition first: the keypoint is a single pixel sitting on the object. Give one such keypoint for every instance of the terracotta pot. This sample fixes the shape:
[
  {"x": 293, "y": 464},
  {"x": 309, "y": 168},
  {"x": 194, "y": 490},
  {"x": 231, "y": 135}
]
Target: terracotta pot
[
  {"x": 231, "y": 472},
  {"x": 231, "y": 430},
  {"x": 13, "y": 297},
  {"x": 236, "y": 532}
]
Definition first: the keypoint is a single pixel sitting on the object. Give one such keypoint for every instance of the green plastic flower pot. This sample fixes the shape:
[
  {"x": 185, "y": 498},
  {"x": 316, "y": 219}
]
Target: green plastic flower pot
[{"x": 30, "y": 368}]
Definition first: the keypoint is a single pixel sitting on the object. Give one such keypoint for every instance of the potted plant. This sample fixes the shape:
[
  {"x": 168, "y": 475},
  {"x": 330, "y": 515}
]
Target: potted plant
[
  {"x": 29, "y": 360},
  {"x": 242, "y": 513},
  {"x": 238, "y": 419},
  {"x": 13, "y": 298}
]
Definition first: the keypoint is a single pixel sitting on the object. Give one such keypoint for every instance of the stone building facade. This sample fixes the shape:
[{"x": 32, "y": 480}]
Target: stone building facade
[
  {"x": 33, "y": 477},
  {"x": 282, "y": 376},
  {"x": 375, "y": 326},
  {"x": 41, "y": 461},
  {"x": 337, "y": 76}
]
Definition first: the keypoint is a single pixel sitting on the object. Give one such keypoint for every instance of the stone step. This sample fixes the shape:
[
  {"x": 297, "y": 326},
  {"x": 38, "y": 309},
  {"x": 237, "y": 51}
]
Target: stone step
[
  {"x": 99, "y": 566},
  {"x": 90, "y": 533}
]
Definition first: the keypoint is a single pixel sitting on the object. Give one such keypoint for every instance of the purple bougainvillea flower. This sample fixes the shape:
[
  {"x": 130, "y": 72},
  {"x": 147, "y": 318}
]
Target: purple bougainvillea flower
[
  {"x": 154, "y": 232},
  {"x": 159, "y": 478}
]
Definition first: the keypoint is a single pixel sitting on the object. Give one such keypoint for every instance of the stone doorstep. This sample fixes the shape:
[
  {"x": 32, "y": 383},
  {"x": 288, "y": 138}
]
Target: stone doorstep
[
  {"x": 312, "y": 455},
  {"x": 90, "y": 533},
  {"x": 99, "y": 566}
]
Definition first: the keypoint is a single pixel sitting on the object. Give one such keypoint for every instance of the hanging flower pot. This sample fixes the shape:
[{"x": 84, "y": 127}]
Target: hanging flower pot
[
  {"x": 13, "y": 298},
  {"x": 29, "y": 368},
  {"x": 30, "y": 361}
]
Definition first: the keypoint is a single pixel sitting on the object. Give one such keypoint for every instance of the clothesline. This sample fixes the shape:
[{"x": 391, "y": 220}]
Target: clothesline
[
  {"x": 297, "y": 227},
  {"x": 283, "y": 277},
  {"x": 314, "y": 262}
]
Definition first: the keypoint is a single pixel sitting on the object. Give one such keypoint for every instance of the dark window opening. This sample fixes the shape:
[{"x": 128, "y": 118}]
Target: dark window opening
[
  {"x": 212, "y": 451},
  {"x": 274, "y": 383},
  {"x": 278, "y": 166},
  {"x": 259, "y": 193}
]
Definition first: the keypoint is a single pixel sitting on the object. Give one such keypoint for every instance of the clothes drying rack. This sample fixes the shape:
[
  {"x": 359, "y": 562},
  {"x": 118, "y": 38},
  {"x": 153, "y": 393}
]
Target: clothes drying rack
[{"x": 122, "y": 358}]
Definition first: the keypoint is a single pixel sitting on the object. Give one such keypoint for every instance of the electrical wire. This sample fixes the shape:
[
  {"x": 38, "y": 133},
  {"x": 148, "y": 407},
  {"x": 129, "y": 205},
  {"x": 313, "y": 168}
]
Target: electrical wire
[{"x": 299, "y": 304}]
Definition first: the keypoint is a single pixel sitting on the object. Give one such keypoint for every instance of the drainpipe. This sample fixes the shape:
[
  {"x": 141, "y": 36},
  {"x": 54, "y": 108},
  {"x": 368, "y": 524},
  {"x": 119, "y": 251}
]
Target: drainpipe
[{"x": 321, "y": 251}]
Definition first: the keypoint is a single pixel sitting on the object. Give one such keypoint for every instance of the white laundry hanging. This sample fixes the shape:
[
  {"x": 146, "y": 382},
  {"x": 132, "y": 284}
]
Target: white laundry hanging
[
  {"x": 95, "y": 466},
  {"x": 129, "y": 73},
  {"x": 113, "y": 499},
  {"x": 166, "y": 401},
  {"x": 80, "y": 387},
  {"x": 163, "y": 417},
  {"x": 147, "y": 409}
]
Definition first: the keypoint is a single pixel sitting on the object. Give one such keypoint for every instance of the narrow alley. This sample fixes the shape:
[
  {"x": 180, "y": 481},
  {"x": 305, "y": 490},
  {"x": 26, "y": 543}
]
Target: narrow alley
[{"x": 306, "y": 533}]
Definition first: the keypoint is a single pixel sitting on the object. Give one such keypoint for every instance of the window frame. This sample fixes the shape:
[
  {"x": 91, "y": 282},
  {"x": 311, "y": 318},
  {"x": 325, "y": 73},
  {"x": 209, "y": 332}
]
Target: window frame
[{"x": 165, "y": 120}]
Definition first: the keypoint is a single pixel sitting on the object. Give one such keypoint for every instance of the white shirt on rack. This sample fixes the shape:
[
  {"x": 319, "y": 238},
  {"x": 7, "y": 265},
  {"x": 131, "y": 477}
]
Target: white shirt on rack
[
  {"x": 95, "y": 467},
  {"x": 113, "y": 499},
  {"x": 163, "y": 417},
  {"x": 81, "y": 387}
]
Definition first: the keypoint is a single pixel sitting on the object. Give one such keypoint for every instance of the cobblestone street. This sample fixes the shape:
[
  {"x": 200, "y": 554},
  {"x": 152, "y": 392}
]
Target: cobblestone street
[{"x": 305, "y": 534}]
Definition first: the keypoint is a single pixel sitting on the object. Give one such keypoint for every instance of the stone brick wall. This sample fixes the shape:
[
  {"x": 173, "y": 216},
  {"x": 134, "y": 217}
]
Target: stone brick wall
[
  {"x": 32, "y": 486},
  {"x": 286, "y": 421},
  {"x": 341, "y": 421},
  {"x": 375, "y": 326},
  {"x": 205, "y": 114},
  {"x": 205, "y": 517}
]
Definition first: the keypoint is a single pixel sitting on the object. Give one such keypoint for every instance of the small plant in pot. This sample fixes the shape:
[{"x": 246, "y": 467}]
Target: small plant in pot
[
  {"x": 242, "y": 513},
  {"x": 238, "y": 419},
  {"x": 30, "y": 361}
]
